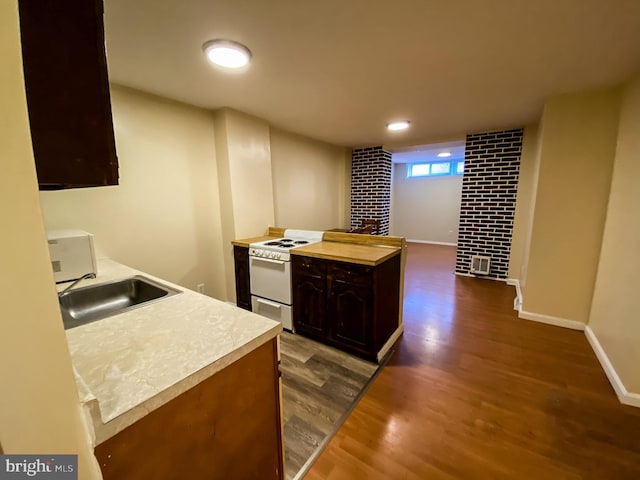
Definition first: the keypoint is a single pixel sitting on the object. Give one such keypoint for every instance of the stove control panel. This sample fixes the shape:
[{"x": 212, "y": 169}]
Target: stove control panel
[{"x": 269, "y": 254}]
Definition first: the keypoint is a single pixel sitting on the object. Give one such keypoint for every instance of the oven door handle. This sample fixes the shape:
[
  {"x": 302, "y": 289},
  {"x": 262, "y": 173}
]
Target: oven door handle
[
  {"x": 268, "y": 260},
  {"x": 267, "y": 302}
]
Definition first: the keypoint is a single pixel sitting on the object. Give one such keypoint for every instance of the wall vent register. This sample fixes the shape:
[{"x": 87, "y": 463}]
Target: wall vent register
[{"x": 480, "y": 264}]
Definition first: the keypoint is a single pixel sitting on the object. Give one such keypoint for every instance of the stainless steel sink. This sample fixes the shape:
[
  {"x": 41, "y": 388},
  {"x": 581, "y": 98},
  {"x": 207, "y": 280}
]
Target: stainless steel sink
[{"x": 94, "y": 302}]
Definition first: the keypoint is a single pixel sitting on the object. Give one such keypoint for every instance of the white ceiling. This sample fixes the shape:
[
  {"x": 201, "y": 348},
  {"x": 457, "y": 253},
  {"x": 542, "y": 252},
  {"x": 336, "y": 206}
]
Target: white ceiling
[{"x": 339, "y": 70}]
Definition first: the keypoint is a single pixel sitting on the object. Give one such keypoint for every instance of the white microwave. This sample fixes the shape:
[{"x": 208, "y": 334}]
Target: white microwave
[{"x": 72, "y": 254}]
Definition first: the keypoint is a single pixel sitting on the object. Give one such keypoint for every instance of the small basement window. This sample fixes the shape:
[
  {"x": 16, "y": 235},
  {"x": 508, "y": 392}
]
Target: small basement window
[{"x": 436, "y": 169}]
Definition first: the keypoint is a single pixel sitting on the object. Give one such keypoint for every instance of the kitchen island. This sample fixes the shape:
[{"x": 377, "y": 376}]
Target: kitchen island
[
  {"x": 185, "y": 384},
  {"x": 347, "y": 289}
]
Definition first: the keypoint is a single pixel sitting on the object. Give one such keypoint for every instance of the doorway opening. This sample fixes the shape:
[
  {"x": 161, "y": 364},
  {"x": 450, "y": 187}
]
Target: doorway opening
[{"x": 426, "y": 189}]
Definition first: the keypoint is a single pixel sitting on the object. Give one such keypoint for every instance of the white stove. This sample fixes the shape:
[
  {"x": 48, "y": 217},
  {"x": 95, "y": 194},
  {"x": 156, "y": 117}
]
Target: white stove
[
  {"x": 270, "y": 273},
  {"x": 277, "y": 249}
]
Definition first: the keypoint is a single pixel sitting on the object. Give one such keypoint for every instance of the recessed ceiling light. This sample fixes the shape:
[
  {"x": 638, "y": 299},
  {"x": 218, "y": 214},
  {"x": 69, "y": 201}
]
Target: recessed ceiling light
[
  {"x": 444, "y": 154},
  {"x": 227, "y": 53},
  {"x": 402, "y": 125}
]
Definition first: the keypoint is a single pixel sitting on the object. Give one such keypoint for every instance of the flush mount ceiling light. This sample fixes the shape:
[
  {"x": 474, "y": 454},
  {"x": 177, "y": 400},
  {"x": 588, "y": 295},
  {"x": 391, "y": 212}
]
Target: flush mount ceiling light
[
  {"x": 227, "y": 53},
  {"x": 402, "y": 125},
  {"x": 444, "y": 154}
]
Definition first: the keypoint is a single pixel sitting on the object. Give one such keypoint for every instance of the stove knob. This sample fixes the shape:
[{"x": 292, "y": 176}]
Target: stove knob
[
  {"x": 276, "y": 256},
  {"x": 273, "y": 255}
]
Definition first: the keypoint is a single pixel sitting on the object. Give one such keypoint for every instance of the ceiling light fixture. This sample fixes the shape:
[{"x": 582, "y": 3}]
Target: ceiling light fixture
[
  {"x": 402, "y": 125},
  {"x": 227, "y": 53},
  {"x": 444, "y": 154}
]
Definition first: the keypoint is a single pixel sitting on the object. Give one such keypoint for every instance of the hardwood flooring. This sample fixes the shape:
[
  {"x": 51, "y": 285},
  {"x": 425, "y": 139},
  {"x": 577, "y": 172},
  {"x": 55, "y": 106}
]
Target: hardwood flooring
[
  {"x": 474, "y": 392},
  {"x": 319, "y": 386}
]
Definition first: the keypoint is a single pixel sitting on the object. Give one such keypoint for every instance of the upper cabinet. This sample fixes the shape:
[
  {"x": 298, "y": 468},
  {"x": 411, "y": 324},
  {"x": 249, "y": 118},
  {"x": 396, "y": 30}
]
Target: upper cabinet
[{"x": 67, "y": 88}]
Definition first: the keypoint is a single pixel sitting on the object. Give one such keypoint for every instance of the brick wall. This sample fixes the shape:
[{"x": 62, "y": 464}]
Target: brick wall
[
  {"x": 489, "y": 187},
  {"x": 371, "y": 186}
]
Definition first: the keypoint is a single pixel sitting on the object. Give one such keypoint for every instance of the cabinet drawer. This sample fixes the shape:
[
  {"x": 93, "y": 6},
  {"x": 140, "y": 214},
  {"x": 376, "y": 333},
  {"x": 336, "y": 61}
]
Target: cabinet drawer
[
  {"x": 351, "y": 273},
  {"x": 308, "y": 266}
]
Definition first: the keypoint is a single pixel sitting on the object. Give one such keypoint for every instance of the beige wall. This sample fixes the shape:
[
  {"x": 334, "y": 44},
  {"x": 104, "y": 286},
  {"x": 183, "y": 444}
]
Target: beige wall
[
  {"x": 578, "y": 139},
  {"x": 245, "y": 181},
  {"x": 39, "y": 408},
  {"x": 615, "y": 310},
  {"x": 525, "y": 200},
  {"x": 309, "y": 182},
  {"x": 249, "y": 155},
  {"x": 425, "y": 209},
  {"x": 164, "y": 217}
]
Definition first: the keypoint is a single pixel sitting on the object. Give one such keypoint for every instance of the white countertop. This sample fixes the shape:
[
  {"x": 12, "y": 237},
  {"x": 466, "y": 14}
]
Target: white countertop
[{"x": 130, "y": 364}]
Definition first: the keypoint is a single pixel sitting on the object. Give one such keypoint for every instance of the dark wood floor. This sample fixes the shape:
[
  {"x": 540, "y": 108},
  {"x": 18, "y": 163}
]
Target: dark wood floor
[
  {"x": 319, "y": 386},
  {"x": 473, "y": 392}
]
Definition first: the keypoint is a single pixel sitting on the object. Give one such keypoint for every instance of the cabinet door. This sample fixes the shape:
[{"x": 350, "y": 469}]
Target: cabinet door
[
  {"x": 309, "y": 305},
  {"x": 67, "y": 89},
  {"x": 350, "y": 309},
  {"x": 243, "y": 288}
]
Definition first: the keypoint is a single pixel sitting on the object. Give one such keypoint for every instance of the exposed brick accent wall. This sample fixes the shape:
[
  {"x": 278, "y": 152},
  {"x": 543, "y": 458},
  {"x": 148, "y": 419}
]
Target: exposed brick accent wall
[
  {"x": 371, "y": 187},
  {"x": 489, "y": 187}
]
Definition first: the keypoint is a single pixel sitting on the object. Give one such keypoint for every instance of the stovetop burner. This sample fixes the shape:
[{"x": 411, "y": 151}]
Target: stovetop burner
[
  {"x": 278, "y": 248},
  {"x": 286, "y": 243}
]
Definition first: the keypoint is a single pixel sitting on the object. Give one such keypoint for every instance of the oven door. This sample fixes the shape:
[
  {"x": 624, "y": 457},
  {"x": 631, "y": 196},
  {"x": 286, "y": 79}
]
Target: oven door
[{"x": 270, "y": 279}]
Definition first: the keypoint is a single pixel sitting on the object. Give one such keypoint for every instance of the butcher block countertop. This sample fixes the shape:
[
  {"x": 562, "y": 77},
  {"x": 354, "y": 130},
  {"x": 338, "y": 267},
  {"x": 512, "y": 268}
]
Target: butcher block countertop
[
  {"x": 244, "y": 242},
  {"x": 348, "y": 252},
  {"x": 339, "y": 246},
  {"x": 272, "y": 233}
]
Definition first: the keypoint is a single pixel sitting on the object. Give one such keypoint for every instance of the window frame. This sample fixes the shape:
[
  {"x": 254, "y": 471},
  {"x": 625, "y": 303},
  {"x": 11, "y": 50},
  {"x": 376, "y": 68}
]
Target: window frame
[{"x": 453, "y": 168}]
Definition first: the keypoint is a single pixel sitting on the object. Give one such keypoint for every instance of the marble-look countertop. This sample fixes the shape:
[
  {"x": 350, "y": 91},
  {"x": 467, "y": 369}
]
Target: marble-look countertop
[{"x": 130, "y": 364}]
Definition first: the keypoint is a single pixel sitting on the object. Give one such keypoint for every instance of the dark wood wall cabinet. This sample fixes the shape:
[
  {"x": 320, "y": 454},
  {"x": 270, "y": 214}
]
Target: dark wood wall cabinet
[
  {"x": 349, "y": 306},
  {"x": 226, "y": 427},
  {"x": 243, "y": 284},
  {"x": 67, "y": 89}
]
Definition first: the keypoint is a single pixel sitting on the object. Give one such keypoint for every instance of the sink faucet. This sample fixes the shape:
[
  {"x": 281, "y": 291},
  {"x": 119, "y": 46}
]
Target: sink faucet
[{"x": 85, "y": 276}]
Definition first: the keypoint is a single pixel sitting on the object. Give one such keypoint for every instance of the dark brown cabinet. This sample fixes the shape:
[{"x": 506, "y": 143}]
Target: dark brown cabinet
[
  {"x": 309, "y": 296},
  {"x": 351, "y": 314},
  {"x": 350, "y": 306},
  {"x": 67, "y": 89},
  {"x": 243, "y": 283}
]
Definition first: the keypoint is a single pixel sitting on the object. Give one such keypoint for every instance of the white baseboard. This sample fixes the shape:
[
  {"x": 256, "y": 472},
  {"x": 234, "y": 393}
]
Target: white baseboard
[
  {"x": 392, "y": 339},
  {"x": 517, "y": 302},
  {"x": 548, "y": 319},
  {"x": 538, "y": 317},
  {"x": 625, "y": 397},
  {"x": 481, "y": 277},
  {"x": 433, "y": 243}
]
